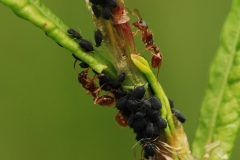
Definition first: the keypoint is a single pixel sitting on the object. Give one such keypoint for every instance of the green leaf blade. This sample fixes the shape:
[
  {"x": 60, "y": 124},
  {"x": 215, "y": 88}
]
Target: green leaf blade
[{"x": 219, "y": 118}]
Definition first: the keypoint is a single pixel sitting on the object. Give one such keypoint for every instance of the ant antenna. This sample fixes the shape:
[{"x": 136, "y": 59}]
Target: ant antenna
[{"x": 137, "y": 13}]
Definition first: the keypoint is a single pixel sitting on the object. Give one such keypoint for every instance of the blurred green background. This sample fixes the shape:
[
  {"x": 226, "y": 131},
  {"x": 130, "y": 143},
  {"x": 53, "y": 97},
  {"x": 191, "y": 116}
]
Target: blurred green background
[{"x": 44, "y": 112}]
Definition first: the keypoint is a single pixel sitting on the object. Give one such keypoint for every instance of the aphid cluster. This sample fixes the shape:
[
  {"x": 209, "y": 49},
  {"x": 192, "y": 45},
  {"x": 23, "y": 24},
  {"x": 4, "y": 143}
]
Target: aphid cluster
[
  {"x": 142, "y": 116},
  {"x": 105, "y": 9},
  {"x": 139, "y": 113},
  {"x": 92, "y": 88},
  {"x": 85, "y": 44},
  {"x": 135, "y": 111}
]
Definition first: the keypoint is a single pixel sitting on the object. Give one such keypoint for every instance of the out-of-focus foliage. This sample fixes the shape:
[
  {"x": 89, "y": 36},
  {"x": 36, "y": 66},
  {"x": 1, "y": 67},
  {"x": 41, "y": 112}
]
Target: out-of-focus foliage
[{"x": 219, "y": 121}]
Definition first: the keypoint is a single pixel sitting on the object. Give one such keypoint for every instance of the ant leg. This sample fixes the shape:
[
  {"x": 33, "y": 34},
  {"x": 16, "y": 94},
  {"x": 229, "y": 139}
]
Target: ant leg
[
  {"x": 74, "y": 65},
  {"x": 136, "y": 32},
  {"x": 142, "y": 153},
  {"x": 160, "y": 63},
  {"x": 158, "y": 72},
  {"x": 146, "y": 49}
]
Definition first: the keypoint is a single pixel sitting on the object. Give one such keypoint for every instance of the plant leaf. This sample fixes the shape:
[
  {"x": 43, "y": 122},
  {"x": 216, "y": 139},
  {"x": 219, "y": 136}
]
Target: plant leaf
[{"x": 219, "y": 117}]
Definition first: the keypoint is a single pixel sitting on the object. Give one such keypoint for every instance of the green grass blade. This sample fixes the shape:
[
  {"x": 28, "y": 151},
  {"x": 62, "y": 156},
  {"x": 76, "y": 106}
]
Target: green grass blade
[
  {"x": 35, "y": 12},
  {"x": 219, "y": 117}
]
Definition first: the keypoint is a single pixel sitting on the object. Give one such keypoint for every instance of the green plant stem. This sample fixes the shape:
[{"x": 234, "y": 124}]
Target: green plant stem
[
  {"x": 174, "y": 133},
  {"x": 39, "y": 15},
  {"x": 119, "y": 41}
]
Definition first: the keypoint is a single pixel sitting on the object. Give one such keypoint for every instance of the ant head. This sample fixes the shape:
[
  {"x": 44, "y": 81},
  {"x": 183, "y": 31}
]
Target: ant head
[{"x": 143, "y": 24}]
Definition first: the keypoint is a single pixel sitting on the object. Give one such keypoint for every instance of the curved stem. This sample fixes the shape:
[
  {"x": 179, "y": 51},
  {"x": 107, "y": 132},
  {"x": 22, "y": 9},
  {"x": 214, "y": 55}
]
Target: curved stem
[{"x": 39, "y": 15}]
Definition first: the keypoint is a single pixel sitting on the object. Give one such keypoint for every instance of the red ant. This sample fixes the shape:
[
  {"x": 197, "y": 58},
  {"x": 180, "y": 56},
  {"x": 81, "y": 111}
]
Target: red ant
[
  {"x": 121, "y": 120},
  {"x": 88, "y": 83},
  {"x": 147, "y": 39},
  {"x": 104, "y": 100}
]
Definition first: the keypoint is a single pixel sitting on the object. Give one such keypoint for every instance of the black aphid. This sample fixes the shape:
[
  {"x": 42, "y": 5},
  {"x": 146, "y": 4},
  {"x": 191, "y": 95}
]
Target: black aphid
[
  {"x": 149, "y": 130},
  {"x": 112, "y": 3},
  {"x": 121, "y": 103},
  {"x": 98, "y": 37},
  {"x": 145, "y": 104},
  {"x": 139, "y": 124},
  {"x": 133, "y": 105},
  {"x": 140, "y": 114},
  {"x": 119, "y": 93},
  {"x": 156, "y": 103},
  {"x": 96, "y": 11},
  {"x": 154, "y": 116},
  {"x": 74, "y": 34},
  {"x": 131, "y": 120},
  {"x": 115, "y": 84},
  {"x": 76, "y": 57},
  {"x": 106, "y": 13},
  {"x": 86, "y": 45},
  {"x": 138, "y": 92},
  {"x": 83, "y": 65},
  {"x": 121, "y": 77},
  {"x": 171, "y": 103},
  {"x": 162, "y": 123},
  {"x": 149, "y": 148},
  {"x": 179, "y": 115},
  {"x": 157, "y": 130},
  {"x": 104, "y": 82},
  {"x": 97, "y": 2}
]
